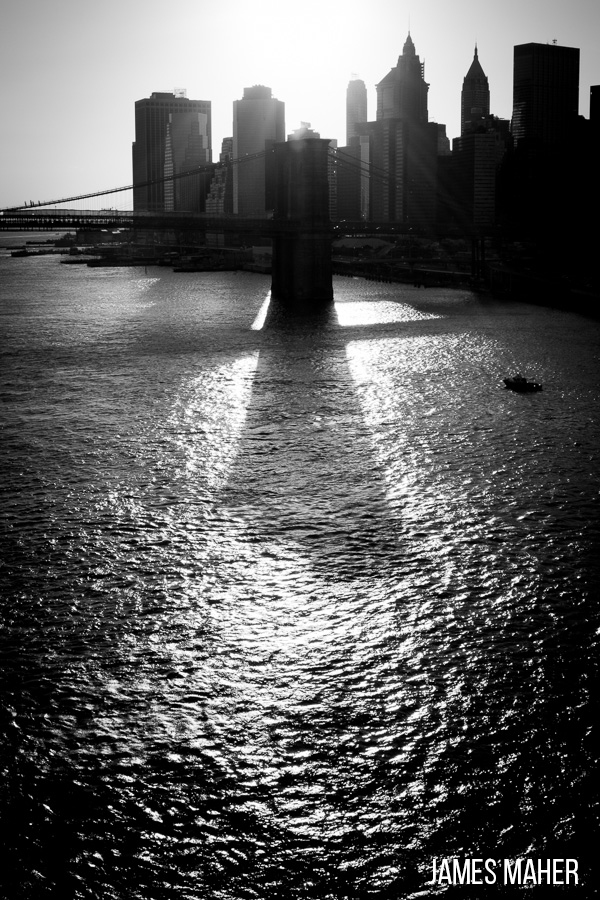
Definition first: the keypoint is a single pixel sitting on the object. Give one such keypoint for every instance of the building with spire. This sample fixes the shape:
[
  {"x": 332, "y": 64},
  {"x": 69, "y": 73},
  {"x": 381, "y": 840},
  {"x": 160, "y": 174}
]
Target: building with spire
[
  {"x": 468, "y": 178},
  {"x": 402, "y": 94},
  {"x": 475, "y": 97},
  {"x": 402, "y": 146}
]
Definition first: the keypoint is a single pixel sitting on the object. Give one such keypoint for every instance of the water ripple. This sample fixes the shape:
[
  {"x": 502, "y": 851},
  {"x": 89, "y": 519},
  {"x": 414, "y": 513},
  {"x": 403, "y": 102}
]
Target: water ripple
[{"x": 290, "y": 611}]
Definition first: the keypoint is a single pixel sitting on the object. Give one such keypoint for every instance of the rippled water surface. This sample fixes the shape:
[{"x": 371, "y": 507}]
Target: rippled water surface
[{"x": 290, "y": 610}]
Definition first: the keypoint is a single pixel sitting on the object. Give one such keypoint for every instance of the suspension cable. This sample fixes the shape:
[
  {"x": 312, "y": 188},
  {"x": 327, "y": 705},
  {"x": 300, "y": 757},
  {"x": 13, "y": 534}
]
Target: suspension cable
[{"x": 199, "y": 170}]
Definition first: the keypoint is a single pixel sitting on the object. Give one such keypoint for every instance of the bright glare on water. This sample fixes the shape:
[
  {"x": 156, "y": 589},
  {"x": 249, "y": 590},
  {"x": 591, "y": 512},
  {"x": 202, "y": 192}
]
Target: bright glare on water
[{"x": 291, "y": 608}]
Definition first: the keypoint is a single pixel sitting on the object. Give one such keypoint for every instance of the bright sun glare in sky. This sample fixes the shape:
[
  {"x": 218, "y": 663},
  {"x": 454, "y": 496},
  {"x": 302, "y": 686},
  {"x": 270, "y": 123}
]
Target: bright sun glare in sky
[{"x": 71, "y": 72}]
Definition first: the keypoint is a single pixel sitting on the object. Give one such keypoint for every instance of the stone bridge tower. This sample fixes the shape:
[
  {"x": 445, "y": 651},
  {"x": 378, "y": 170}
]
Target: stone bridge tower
[{"x": 302, "y": 270}]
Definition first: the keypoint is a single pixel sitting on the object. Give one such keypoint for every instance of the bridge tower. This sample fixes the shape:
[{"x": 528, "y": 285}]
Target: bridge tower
[{"x": 302, "y": 270}]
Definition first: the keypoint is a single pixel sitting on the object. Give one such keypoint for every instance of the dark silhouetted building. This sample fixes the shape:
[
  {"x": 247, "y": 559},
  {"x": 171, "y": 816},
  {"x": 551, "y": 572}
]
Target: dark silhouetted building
[
  {"x": 258, "y": 123},
  {"x": 545, "y": 93},
  {"x": 474, "y": 166},
  {"x": 402, "y": 94},
  {"x": 467, "y": 184},
  {"x": 172, "y": 136},
  {"x": 219, "y": 200},
  {"x": 541, "y": 178},
  {"x": 475, "y": 97},
  {"x": 549, "y": 186},
  {"x": 403, "y": 146},
  {"x": 353, "y": 179},
  {"x": 388, "y": 170}
]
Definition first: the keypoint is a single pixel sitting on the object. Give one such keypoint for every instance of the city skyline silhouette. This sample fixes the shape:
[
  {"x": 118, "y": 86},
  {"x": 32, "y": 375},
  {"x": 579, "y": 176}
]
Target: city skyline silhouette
[{"x": 90, "y": 68}]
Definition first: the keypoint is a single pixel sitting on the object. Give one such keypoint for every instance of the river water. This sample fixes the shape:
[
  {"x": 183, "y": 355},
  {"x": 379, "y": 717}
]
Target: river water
[{"x": 290, "y": 609}]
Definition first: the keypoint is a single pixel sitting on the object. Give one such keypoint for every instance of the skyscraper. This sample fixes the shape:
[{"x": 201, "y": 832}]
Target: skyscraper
[
  {"x": 172, "y": 135},
  {"x": 475, "y": 97},
  {"x": 258, "y": 121},
  {"x": 403, "y": 146},
  {"x": 467, "y": 193},
  {"x": 219, "y": 200},
  {"x": 545, "y": 93},
  {"x": 356, "y": 107},
  {"x": 402, "y": 94},
  {"x": 549, "y": 186},
  {"x": 468, "y": 186}
]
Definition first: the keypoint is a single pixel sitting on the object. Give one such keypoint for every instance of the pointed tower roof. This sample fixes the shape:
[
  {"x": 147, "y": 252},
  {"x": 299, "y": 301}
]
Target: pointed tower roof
[
  {"x": 402, "y": 94},
  {"x": 475, "y": 72},
  {"x": 409, "y": 47},
  {"x": 474, "y": 98}
]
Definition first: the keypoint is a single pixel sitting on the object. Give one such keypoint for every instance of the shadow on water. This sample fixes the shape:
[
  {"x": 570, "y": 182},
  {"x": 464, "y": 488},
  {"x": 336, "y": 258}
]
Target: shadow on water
[{"x": 305, "y": 461}]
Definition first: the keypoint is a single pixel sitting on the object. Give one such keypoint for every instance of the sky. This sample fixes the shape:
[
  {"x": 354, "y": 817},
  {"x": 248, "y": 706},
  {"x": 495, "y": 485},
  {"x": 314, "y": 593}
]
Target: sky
[{"x": 71, "y": 70}]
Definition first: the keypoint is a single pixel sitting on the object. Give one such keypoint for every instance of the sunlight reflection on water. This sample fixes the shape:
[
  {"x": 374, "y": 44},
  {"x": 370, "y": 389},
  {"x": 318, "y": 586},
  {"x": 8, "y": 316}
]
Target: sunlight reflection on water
[
  {"x": 209, "y": 418},
  {"x": 259, "y": 321},
  {"x": 376, "y": 312}
]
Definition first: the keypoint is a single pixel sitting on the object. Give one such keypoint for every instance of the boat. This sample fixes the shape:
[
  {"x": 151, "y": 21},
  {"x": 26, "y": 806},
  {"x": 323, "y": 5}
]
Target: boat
[{"x": 521, "y": 385}]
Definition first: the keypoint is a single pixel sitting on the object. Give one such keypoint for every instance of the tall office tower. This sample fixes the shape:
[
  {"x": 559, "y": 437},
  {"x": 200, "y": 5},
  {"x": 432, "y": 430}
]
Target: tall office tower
[
  {"x": 172, "y": 135},
  {"x": 402, "y": 94},
  {"x": 353, "y": 177},
  {"x": 475, "y": 97},
  {"x": 219, "y": 200},
  {"x": 226, "y": 154},
  {"x": 186, "y": 149},
  {"x": 545, "y": 93},
  {"x": 258, "y": 122},
  {"x": 356, "y": 107},
  {"x": 467, "y": 190},
  {"x": 544, "y": 180},
  {"x": 403, "y": 146},
  {"x": 467, "y": 179}
]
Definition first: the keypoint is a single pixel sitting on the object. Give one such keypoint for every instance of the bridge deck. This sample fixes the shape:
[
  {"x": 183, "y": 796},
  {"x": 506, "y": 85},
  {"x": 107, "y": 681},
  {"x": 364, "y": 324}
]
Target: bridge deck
[{"x": 69, "y": 220}]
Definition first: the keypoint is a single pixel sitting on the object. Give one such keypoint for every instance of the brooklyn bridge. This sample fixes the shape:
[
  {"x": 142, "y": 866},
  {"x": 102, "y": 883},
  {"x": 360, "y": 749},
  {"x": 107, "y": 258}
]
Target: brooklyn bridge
[{"x": 299, "y": 226}]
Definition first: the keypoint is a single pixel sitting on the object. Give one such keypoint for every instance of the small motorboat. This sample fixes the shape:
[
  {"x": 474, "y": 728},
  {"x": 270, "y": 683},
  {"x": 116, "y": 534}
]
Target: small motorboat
[{"x": 521, "y": 385}]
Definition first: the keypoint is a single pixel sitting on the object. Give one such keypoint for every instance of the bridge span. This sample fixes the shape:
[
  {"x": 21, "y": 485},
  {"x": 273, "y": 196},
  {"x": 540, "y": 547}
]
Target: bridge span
[
  {"x": 72, "y": 220},
  {"x": 300, "y": 227}
]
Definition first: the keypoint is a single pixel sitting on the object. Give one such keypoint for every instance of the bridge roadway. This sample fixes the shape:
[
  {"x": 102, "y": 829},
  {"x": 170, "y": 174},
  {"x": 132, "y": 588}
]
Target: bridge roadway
[{"x": 68, "y": 220}]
